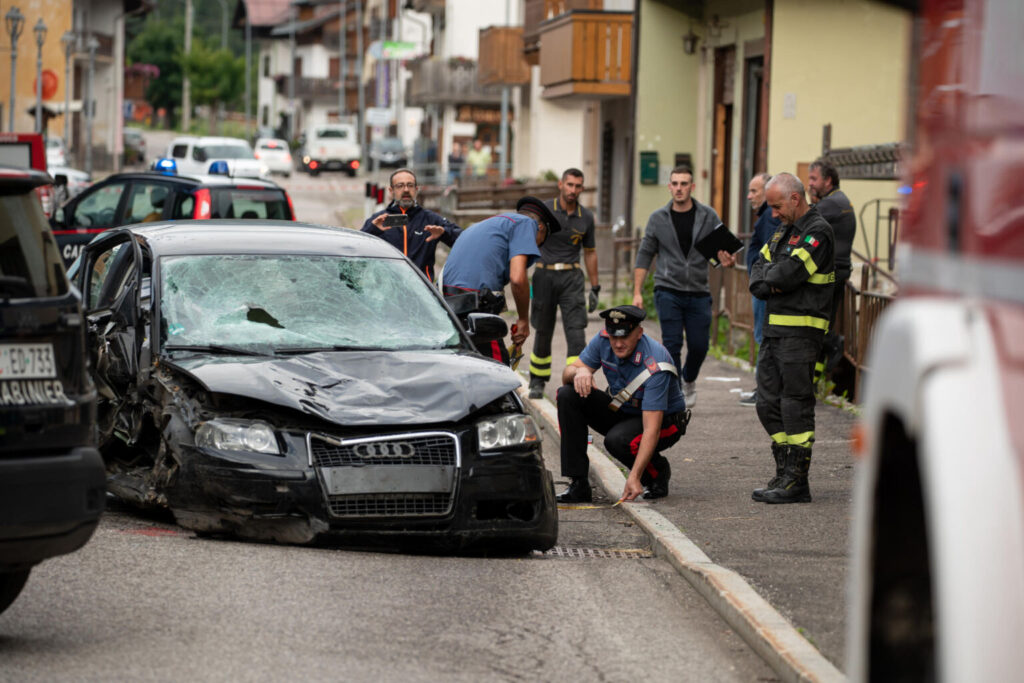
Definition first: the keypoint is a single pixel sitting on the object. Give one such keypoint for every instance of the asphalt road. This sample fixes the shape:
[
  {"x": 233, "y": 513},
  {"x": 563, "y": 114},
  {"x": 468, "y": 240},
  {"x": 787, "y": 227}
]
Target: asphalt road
[{"x": 145, "y": 601}]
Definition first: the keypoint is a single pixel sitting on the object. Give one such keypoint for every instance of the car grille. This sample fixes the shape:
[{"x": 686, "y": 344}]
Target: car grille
[
  {"x": 433, "y": 449},
  {"x": 391, "y": 505}
]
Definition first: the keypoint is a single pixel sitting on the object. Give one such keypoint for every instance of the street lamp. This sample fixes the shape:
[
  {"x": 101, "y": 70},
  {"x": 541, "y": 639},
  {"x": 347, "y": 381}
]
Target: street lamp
[
  {"x": 15, "y": 21},
  {"x": 68, "y": 40},
  {"x": 91, "y": 46},
  {"x": 40, "y": 31}
]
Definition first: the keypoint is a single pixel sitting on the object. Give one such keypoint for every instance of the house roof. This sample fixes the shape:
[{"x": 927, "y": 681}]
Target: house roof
[
  {"x": 308, "y": 24},
  {"x": 262, "y": 12}
]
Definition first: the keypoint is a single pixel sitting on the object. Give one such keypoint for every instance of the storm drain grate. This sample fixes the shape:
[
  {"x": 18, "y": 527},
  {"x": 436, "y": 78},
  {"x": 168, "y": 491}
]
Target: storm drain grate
[{"x": 598, "y": 553}]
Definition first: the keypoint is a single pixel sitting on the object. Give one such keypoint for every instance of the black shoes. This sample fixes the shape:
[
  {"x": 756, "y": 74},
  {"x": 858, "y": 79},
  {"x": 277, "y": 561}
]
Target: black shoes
[
  {"x": 792, "y": 486},
  {"x": 656, "y": 489},
  {"x": 779, "y": 453},
  {"x": 578, "y": 492},
  {"x": 536, "y": 390}
]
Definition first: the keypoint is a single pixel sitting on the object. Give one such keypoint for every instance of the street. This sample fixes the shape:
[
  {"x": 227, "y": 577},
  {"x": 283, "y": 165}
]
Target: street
[{"x": 145, "y": 600}]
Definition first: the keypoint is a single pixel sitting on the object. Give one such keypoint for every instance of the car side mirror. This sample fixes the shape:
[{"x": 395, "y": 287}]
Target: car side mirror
[
  {"x": 60, "y": 180},
  {"x": 461, "y": 304},
  {"x": 484, "y": 328}
]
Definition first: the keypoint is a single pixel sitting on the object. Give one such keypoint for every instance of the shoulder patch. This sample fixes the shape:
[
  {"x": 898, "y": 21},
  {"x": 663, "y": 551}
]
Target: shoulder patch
[
  {"x": 794, "y": 239},
  {"x": 652, "y": 364},
  {"x": 811, "y": 241}
]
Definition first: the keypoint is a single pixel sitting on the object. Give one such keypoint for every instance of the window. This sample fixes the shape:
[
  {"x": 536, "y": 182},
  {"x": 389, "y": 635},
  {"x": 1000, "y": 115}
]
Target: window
[
  {"x": 28, "y": 254},
  {"x": 179, "y": 151},
  {"x": 108, "y": 275},
  {"x": 99, "y": 209},
  {"x": 145, "y": 202},
  {"x": 266, "y": 66}
]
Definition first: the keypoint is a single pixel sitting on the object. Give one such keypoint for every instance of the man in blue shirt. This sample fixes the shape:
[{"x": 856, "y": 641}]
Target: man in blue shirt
[
  {"x": 418, "y": 238},
  {"x": 642, "y": 413},
  {"x": 496, "y": 252}
]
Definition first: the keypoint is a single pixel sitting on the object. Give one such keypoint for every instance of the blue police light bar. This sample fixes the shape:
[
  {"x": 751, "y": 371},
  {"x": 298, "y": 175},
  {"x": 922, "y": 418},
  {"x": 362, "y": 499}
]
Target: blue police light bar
[
  {"x": 166, "y": 166},
  {"x": 219, "y": 167}
]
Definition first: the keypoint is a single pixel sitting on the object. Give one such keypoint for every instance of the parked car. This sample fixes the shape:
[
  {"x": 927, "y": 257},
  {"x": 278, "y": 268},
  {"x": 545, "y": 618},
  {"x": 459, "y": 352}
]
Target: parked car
[
  {"x": 290, "y": 390},
  {"x": 147, "y": 196},
  {"x": 389, "y": 152},
  {"x": 134, "y": 146},
  {"x": 56, "y": 152},
  {"x": 195, "y": 155},
  {"x": 51, "y": 474},
  {"x": 331, "y": 147},
  {"x": 275, "y": 154}
]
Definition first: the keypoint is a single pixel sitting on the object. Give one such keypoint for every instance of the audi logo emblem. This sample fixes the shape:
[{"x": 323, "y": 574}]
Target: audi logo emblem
[{"x": 381, "y": 449}]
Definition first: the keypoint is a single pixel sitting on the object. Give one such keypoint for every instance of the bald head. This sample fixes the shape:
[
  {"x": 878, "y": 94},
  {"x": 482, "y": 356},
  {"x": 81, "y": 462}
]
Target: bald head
[{"x": 785, "y": 195}]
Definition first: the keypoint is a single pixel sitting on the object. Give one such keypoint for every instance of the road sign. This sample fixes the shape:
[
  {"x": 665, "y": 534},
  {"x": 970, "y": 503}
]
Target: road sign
[{"x": 378, "y": 116}]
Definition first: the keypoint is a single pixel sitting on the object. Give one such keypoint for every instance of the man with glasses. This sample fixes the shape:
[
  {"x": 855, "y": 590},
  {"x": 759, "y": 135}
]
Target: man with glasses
[{"x": 417, "y": 238}]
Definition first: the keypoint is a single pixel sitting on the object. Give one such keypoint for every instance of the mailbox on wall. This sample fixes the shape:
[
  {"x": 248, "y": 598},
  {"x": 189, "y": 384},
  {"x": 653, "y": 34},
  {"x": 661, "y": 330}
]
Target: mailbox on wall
[{"x": 649, "y": 168}]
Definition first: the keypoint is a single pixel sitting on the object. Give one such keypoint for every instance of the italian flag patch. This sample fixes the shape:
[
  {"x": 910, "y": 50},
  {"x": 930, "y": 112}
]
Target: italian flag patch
[{"x": 811, "y": 241}]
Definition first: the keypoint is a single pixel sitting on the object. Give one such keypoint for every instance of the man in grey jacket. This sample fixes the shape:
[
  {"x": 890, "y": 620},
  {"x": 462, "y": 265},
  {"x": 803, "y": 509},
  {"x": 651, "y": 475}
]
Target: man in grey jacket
[{"x": 681, "y": 294}]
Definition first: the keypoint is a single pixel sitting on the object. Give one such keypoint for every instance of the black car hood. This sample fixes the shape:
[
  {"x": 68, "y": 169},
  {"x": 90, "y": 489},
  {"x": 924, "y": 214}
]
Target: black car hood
[{"x": 360, "y": 387}]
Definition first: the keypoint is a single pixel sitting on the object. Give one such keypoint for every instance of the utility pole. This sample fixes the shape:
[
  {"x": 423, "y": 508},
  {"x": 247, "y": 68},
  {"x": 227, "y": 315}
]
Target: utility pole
[
  {"x": 248, "y": 75},
  {"x": 399, "y": 82},
  {"x": 90, "y": 111},
  {"x": 291, "y": 79},
  {"x": 186, "y": 87},
  {"x": 361, "y": 92},
  {"x": 503, "y": 135},
  {"x": 342, "y": 57}
]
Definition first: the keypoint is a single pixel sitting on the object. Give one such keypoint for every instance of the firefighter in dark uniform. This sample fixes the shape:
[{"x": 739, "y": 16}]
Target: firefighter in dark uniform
[
  {"x": 795, "y": 274},
  {"x": 558, "y": 280},
  {"x": 642, "y": 413}
]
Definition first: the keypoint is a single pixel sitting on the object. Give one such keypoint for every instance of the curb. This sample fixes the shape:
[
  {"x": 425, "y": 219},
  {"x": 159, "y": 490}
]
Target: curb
[{"x": 766, "y": 631}]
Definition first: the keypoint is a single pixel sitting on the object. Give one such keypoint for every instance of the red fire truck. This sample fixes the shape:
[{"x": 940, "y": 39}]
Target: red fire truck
[
  {"x": 26, "y": 150},
  {"x": 937, "y": 574}
]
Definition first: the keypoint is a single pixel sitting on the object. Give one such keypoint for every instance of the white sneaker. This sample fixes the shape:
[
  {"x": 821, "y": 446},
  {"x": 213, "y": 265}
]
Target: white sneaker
[{"x": 690, "y": 393}]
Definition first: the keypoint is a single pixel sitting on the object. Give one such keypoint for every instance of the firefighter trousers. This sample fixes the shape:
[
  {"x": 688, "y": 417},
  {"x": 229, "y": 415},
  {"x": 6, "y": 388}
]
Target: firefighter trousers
[
  {"x": 785, "y": 388},
  {"x": 621, "y": 431},
  {"x": 553, "y": 289}
]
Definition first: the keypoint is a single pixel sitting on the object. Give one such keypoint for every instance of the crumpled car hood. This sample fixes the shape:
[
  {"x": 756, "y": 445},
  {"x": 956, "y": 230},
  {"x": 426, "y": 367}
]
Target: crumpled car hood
[{"x": 360, "y": 387}]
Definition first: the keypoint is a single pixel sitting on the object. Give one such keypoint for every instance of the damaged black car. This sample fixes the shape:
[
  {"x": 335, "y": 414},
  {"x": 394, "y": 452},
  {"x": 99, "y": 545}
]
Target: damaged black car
[{"x": 289, "y": 382}]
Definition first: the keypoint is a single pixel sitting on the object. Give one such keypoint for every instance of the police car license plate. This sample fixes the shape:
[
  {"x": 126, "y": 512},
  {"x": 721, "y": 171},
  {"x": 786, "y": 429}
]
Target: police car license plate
[{"x": 27, "y": 361}]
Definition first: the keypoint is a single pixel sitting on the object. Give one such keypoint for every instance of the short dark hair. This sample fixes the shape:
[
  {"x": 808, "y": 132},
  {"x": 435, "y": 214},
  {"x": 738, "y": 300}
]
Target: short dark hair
[
  {"x": 574, "y": 172},
  {"x": 391, "y": 178},
  {"x": 682, "y": 168},
  {"x": 827, "y": 170}
]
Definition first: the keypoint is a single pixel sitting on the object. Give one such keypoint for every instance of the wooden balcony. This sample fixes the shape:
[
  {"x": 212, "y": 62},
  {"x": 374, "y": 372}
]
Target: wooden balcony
[
  {"x": 447, "y": 81},
  {"x": 501, "y": 56},
  {"x": 316, "y": 88},
  {"x": 538, "y": 11},
  {"x": 588, "y": 54}
]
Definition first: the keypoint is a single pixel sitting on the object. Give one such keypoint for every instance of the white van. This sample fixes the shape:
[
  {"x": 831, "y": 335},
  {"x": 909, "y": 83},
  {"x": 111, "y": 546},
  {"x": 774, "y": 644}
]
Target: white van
[
  {"x": 331, "y": 147},
  {"x": 194, "y": 155}
]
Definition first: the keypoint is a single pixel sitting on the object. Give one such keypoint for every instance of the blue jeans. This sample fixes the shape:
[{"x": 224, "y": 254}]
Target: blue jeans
[
  {"x": 760, "y": 311},
  {"x": 690, "y": 313}
]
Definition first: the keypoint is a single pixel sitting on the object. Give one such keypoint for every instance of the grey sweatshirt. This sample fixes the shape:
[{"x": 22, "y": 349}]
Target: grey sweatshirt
[{"x": 673, "y": 270}]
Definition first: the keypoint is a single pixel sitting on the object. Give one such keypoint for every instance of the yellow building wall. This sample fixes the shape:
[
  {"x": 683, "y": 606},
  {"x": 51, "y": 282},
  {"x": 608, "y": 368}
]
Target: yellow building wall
[
  {"x": 56, "y": 15},
  {"x": 842, "y": 62},
  {"x": 666, "y": 111}
]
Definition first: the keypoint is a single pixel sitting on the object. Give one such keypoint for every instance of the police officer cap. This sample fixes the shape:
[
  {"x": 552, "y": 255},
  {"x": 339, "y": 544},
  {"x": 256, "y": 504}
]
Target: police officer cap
[
  {"x": 622, "y": 320},
  {"x": 541, "y": 210}
]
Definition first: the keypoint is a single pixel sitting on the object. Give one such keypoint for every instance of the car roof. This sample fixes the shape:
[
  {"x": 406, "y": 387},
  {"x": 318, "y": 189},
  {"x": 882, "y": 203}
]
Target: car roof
[
  {"x": 258, "y": 237},
  {"x": 196, "y": 180}
]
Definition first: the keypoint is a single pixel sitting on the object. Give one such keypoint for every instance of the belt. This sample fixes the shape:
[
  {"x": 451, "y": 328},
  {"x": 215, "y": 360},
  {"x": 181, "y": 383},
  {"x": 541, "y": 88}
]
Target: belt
[{"x": 558, "y": 266}]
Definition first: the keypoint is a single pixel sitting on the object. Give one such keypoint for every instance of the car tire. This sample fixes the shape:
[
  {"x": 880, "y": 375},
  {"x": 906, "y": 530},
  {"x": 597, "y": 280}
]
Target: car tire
[
  {"x": 11, "y": 584},
  {"x": 287, "y": 174},
  {"x": 314, "y": 172}
]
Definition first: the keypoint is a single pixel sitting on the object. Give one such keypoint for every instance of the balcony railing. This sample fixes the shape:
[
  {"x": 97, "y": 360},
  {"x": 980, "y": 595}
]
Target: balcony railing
[
  {"x": 538, "y": 11},
  {"x": 588, "y": 54},
  {"x": 441, "y": 81},
  {"x": 501, "y": 56},
  {"x": 315, "y": 88}
]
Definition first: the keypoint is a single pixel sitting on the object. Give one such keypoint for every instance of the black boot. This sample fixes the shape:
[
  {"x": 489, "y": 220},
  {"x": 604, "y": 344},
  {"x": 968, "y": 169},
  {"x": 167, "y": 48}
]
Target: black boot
[
  {"x": 779, "y": 453},
  {"x": 793, "y": 487},
  {"x": 656, "y": 488},
  {"x": 578, "y": 492},
  {"x": 537, "y": 386}
]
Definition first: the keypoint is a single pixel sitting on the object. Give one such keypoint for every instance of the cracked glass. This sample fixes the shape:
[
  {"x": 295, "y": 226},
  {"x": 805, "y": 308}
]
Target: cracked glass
[{"x": 299, "y": 303}]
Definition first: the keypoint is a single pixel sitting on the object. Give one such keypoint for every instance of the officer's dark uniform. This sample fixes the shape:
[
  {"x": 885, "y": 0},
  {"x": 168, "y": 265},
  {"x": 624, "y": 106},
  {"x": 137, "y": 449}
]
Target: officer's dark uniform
[
  {"x": 795, "y": 274},
  {"x": 621, "y": 424},
  {"x": 411, "y": 239},
  {"x": 558, "y": 281},
  {"x": 835, "y": 207}
]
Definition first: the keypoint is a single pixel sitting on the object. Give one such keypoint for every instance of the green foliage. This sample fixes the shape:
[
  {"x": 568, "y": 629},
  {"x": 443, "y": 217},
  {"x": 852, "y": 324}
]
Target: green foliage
[
  {"x": 159, "y": 43},
  {"x": 548, "y": 176},
  {"x": 217, "y": 76}
]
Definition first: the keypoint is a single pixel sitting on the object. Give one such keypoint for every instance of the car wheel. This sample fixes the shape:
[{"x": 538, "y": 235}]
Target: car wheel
[
  {"x": 287, "y": 174},
  {"x": 314, "y": 172},
  {"x": 11, "y": 584},
  {"x": 351, "y": 172}
]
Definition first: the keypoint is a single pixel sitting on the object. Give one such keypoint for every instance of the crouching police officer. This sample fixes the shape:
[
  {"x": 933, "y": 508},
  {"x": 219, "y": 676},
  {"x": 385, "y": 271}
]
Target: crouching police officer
[{"x": 642, "y": 414}]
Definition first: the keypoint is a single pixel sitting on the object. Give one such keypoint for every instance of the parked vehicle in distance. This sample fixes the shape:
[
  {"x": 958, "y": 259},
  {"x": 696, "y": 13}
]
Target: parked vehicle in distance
[
  {"x": 28, "y": 150},
  {"x": 937, "y": 564},
  {"x": 56, "y": 152},
  {"x": 52, "y": 481},
  {"x": 331, "y": 147},
  {"x": 134, "y": 146},
  {"x": 195, "y": 155},
  {"x": 389, "y": 152},
  {"x": 147, "y": 196},
  {"x": 365, "y": 411},
  {"x": 77, "y": 181},
  {"x": 275, "y": 153}
]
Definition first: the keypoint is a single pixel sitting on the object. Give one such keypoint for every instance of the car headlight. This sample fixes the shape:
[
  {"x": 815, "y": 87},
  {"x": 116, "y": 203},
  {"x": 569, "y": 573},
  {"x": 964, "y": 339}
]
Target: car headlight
[
  {"x": 228, "y": 434},
  {"x": 507, "y": 430}
]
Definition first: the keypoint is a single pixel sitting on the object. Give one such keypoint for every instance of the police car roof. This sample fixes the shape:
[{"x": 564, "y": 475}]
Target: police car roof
[
  {"x": 258, "y": 237},
  {"x": 193, "y": 179}
]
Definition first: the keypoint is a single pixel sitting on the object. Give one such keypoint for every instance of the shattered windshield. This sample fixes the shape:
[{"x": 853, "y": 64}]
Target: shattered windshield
[{"x": 298, "y": 303}]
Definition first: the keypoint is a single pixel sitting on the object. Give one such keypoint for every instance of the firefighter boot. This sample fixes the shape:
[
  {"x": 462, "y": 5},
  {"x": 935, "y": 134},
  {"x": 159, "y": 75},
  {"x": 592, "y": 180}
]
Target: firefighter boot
[
  {"x": 779, "y": 453},
  {"x": 537, "y": 386},
  {"x": 793, "y": 487},
  {"x": 578, "y": 492}
]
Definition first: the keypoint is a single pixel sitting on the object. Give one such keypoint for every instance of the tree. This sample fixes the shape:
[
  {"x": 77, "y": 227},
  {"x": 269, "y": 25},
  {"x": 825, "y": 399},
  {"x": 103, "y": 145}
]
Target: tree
[
  {"x": 217, "y": 77},
  {"x": 159, "y": 43}
]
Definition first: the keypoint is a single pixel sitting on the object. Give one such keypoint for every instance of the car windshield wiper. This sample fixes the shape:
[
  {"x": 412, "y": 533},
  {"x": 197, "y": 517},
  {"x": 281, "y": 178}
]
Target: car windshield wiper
[
  {"x": 215, "y": 348},
  {"x": 296, "y": 350}
]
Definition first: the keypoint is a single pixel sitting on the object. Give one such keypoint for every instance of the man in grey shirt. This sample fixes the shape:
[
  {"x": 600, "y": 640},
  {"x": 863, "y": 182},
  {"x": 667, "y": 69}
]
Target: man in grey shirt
[{"x": 681, "y": 293}]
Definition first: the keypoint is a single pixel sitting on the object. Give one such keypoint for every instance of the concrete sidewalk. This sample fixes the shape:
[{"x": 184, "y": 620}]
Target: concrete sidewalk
[{"x": 759, "y": 565}]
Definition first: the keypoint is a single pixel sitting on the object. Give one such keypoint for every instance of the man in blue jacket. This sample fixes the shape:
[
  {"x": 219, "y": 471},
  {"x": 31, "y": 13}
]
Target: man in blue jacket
[{"x": 418, "y": 238}]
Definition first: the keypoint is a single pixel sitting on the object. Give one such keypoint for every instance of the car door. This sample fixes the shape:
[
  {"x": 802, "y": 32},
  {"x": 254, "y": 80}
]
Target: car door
[{"x": 110, "y": 278}]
